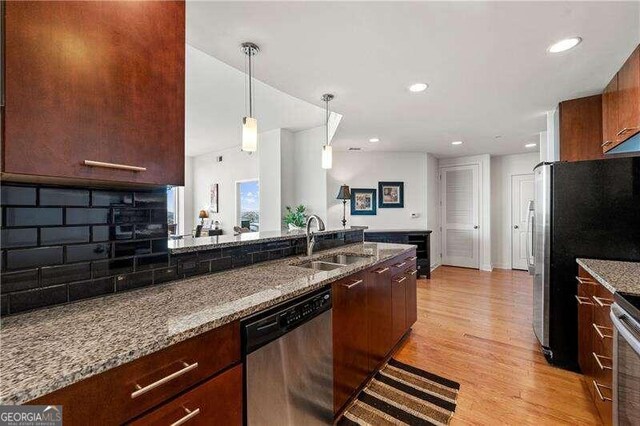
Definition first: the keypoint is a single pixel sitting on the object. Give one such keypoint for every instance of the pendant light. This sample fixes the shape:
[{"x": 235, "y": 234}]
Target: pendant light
[
  {"x": 249, "y": 123},
  {"x": 327, "y": 155}
]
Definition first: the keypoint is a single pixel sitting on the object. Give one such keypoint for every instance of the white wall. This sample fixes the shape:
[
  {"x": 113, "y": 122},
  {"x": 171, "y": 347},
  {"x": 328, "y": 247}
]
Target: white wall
[
  {"x": 485, "y": 202},
  {"x": 235, "y": 166},
  {"x": 365, "y": 170},
  {"x": 310, "y": 179},
  {"x": 433, "y": 208},
  {"x": 269, "y": 161},
  {"x": 185, "y": 200},
  {"x": 502, "y": 169}
]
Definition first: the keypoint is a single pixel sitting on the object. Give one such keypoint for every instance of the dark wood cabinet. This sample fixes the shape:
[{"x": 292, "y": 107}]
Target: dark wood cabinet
[
  {"x": 581, "y": 129},
  {"x": 610, "y": 115},
  {"x": 217, "y": 401},
  {"x": 379, "y": 314},
  {"x": 350, "y": 342},
  {"x": 399, "y": 306},
  {"x": 412, "y": 298},
  {"x": 94, "y": 81}
]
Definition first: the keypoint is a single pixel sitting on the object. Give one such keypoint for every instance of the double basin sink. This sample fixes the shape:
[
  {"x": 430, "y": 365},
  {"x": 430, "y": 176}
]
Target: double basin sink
[{"x": 332, "y": 262}]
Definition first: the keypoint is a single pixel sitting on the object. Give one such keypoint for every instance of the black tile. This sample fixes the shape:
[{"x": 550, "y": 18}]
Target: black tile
[
  {"x": 112, "y": 233},
  {"x": 4, "y": 305},
  {"x": 109, "y": 198},
  {"x": 130, "y": 216},
  {"x": 241, "y": 260},
  {"x": 104, "y": 268},
  {"x": 131, "y": 248},
  {"x": 19, "y": 281},
  {"x": 100, "y": 233},
  {"x": 151, "y": 231},
  {"x": 64, "y": 197},
  {"x": 158, "y": 216},
  {"x": 18, "y": 196},
  {"x": 276, "y": 254},
  {"x": 33, "y": 216},
  {"x": 210, "y": 254},
  {"x": 274, "y": 245},
  {"x": 164, "y": 275},
  {"x": 78, "y": 216},
  {"x": 86, "y": 289},
  {"x": 221, "y": 264},
  {"x": 28, "y": 258},
  {"x": 151, "y": 199},
  {"x": 88, "y": 252},
  {"x": 51, "y": 275},
  {"x": 32, "y": 299},
  {"x": 152, "y": 262},
  {"x": 160, "y": 246},
  {"x": 132, "y": 281},
  {"x": 260, "y": 256},
  {"x": 64, "y": 235},
  {"x": 21, "y": 237},
  {"x": 204, "y": 267}
]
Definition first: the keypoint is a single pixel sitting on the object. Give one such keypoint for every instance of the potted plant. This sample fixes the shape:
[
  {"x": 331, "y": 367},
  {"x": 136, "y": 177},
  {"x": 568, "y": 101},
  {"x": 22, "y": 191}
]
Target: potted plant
[{"x": 295, "y": 219}]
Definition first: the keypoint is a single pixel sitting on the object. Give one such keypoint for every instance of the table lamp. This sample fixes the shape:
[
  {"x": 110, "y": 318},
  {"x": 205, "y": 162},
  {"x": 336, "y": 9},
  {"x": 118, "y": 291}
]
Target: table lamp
[{"x": 344, "y": 194}]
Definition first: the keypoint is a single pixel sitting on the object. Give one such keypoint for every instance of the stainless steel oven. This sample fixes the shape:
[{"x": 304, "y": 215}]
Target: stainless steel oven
[{"x": 626, "y": 367}]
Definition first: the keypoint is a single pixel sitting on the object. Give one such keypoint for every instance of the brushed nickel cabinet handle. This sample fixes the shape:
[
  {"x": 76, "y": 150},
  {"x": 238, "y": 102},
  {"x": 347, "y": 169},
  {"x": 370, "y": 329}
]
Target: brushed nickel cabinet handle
[
  {"x": 605, "y": 143},
  {"x": 412, "y": 258},
  {"x": 415, "y": 271},
  {"x": 189, "y": 415},
  {"x": 625, "y": 130},
  {"x": 599, "y": 392},
  {"x": 600, "y": 364},
  {"x": 92, "y": 163},
  {"x": 142, "y": 390},
  {"x": 380, "y": 271},
  {"x": 400, "y": 265},
  {"x": 583, "y": 300},
  {"x": 602, "y": 302},
  {"x": 353, "y": 284},
  {"x": 585, "y": 281},
  {"x": 601, "y": 334},
  {"x": 400, "y": 280}
]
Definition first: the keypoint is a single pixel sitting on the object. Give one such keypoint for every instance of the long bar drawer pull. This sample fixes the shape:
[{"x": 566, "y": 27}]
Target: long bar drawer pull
[
  {"x": 625, "y": 130},
  {"x": 599, "y": 329},
  {"x": 602, "y": 302},
  {"x": 353, "y": 284},
  {"x": 400, "y": 280},
  {"x": 605, "y": 143},
  {"x": 91, "y": 163},
  {"x": 600, "y": 364},
  {"x": 412, "y": 258},
  {"x": 415, "y": 271},
  {"x": 400, "y": 265},
  {"x": 381, "y": 271},
  {"x": 142, "y": 390},
  {"x": 583, "y": 280},
  {"x": 583, "y": 300},
  {"x": 189, "y": 415},
  {"x": 599, "y": 392}
]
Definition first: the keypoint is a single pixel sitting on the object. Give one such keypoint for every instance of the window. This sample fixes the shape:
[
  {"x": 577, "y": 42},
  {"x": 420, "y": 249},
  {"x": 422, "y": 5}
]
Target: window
[
  {"x": 248, "y": 196},
  {"x": 172, "y": 209}
]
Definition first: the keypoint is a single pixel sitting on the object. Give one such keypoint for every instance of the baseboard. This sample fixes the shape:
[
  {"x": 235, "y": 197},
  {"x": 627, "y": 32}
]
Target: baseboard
[
  {"x": 502, "y": 266},
  {"x": 434, "y": 266},
  {"x": 486, "y": 267}
]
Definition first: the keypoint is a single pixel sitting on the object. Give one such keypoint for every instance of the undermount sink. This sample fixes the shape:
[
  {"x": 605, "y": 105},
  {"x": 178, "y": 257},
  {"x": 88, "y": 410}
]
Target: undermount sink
[
  {"x": 320, "y": 266},
  {"x": 343, "y": 259},
  {"x": 330, "y": 263}
]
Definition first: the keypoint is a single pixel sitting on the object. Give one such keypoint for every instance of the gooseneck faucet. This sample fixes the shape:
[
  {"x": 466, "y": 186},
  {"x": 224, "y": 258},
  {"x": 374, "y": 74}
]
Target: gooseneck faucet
[{"x": 311, "y": 238}]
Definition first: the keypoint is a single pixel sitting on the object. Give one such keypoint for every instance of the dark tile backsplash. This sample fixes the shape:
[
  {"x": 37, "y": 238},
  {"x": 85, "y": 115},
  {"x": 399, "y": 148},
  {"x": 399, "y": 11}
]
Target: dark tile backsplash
[{"x": 60, "y": 245}]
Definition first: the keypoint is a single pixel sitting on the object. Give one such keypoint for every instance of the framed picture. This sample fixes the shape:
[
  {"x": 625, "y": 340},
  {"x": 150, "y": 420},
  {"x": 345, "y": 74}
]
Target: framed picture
[
  {"x": 363, "y": 201},
  {"x": 214, "y": 198},
  {"x": 391, "y": 195}
]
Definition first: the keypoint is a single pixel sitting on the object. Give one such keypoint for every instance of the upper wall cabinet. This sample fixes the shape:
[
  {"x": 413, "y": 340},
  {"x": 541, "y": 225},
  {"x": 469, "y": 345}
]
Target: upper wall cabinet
[
  {"x": 621, "y": 104},
  {"x": 581, "y": 129},
  {"x": 94, "y": 91}
]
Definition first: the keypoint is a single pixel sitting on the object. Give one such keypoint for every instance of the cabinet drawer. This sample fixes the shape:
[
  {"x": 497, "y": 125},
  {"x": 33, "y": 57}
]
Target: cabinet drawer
[
  {"x": 217, "y": 401},
  {"x": 402, "y": 264},
  {"x": 127, "y": 391}
]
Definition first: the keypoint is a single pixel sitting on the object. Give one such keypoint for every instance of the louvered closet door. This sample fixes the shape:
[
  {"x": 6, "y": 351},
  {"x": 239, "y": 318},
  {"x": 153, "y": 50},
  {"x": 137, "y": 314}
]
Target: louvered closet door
[{"x": 460, "y": 216}]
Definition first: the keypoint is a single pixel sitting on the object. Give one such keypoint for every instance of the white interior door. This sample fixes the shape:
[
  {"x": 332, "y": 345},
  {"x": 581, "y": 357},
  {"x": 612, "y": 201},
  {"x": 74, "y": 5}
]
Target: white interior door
[
  {"x": 460, "y": 197},
  {"x": 522, "y": 189}
]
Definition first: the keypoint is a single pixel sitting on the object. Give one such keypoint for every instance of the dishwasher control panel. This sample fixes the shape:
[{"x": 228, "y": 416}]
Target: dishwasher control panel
[{"x": 299, "y": 313}]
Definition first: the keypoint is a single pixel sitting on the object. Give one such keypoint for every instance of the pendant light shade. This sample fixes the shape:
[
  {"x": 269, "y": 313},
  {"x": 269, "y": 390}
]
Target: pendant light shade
[
  {"x": 249, "y": 123},
  {"x": 327, "y": 151}
]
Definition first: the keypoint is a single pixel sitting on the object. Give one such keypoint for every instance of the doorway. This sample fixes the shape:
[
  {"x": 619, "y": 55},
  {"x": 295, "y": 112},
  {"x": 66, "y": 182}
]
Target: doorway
[
  {"x": 522, "y": 188},
  {"x": 460, "y": 215},
  {"x": 248, "y": 204}
]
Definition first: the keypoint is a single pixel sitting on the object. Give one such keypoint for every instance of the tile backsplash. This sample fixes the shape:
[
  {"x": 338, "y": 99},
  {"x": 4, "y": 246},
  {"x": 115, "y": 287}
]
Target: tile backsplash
[{"x": 60, "y": 245}]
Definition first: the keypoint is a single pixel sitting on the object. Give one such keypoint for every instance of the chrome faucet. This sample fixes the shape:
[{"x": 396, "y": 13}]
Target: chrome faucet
[{"x": 311, "y": 238}]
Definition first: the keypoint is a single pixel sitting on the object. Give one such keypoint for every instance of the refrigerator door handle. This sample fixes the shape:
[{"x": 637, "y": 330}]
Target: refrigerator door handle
[{"x": 530, "y": 231}]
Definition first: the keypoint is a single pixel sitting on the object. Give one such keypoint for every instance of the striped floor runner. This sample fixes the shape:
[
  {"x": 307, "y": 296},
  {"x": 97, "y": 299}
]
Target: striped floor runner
[{"x": 401, "y": 394}]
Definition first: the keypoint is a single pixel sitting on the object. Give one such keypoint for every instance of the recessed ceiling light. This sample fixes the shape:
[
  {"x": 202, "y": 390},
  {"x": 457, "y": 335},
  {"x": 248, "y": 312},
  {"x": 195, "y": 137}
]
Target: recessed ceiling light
[
  {"x": 530, "y": 145},
  {"x": 374, "y": 140},
  {"x": 456, "y": 143},
  {"x": 564, "y": 45},
  {"x": 418, "y": 87}
]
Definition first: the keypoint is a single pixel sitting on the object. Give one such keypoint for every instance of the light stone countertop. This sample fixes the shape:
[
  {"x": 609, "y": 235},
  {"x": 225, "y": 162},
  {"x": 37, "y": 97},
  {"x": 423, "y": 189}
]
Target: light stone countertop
[
  {"x": 45, "y": 350},
  {"x": 623, "y": 277}
]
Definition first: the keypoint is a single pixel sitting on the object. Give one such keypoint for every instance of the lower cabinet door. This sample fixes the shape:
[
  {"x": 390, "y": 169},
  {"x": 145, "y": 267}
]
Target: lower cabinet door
[
  {"x": 399, "y": 306},
  {"x": 350, "y": 357},
  {"x": 412, "y": 298},
  {"x": 379, "y": 315},
  {"x": 217, "y": 401}
]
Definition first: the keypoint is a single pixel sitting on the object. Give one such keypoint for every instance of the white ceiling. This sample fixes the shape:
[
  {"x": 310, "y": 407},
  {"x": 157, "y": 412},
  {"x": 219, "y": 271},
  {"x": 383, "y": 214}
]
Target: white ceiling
[
  {"x": 215, "y": 106},
  {"x": 486, "y": 63}
]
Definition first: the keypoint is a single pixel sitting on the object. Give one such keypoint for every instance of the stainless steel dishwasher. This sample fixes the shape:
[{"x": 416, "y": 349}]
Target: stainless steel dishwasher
[{"x": 288, "y": 363}]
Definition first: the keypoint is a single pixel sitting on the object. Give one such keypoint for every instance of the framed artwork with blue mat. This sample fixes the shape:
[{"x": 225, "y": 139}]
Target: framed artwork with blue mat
[
  {"x": 363, "y": 202},
  {"x": 391, "y": 195}
]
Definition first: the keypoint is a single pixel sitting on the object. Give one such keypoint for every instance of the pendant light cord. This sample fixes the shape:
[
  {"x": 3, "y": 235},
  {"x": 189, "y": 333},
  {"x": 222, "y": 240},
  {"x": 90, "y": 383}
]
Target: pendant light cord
[
  {"x": 250, "y": 89},
  {"x": 326, "y": 123}
]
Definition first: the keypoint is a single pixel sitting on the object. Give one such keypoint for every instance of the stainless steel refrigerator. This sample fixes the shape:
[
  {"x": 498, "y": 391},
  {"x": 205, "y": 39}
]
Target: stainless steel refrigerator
[{"x": 587, "y": 209}]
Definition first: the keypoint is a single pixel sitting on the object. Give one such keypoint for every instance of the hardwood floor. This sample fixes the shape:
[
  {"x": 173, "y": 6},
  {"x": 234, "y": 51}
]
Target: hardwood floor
[{"x": 475, "y": 328}]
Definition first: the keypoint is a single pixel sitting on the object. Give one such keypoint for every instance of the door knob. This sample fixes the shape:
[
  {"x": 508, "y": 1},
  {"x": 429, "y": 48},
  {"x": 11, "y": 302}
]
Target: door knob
[
  {"x": 475, "y": 226},
  {"x": 515, "y": 227}
]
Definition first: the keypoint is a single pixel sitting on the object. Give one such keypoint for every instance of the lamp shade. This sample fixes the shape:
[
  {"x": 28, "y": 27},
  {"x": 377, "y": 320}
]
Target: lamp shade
[
  {"x": 327, "y": 157},
  {"x": 344, "y": 193},
  {"x": 249, "y": 134},
  {"x": 203, "y": 214}
]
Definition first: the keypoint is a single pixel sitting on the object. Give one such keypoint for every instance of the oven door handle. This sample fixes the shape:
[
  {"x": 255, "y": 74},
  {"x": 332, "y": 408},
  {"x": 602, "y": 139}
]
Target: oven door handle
[{"x": 626, "y": 327}]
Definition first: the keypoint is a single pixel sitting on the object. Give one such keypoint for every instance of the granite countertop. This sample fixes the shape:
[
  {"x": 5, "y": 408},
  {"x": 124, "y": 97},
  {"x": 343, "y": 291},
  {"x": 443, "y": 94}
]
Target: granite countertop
[
  {"x": 623, "y": 277},
  {"x": 45, "y": 350},
  {"x": 190, "y": 244}
]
